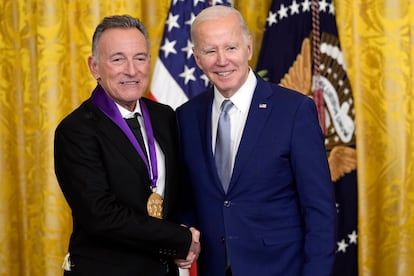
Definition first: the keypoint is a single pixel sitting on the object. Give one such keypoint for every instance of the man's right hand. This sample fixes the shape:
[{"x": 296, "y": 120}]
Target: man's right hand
[{"x": 193, "y": 252}]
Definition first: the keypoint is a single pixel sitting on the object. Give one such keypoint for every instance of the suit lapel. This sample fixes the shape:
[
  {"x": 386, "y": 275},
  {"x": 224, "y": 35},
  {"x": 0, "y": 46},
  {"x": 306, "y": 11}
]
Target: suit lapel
[
  {"x": 260, "y": 109},
  {"x": 204, "y": 116},
  {"x": 110, "y": 131},
  {"x": 159, "y": 132},
  {"x": 205, "y": 123}
]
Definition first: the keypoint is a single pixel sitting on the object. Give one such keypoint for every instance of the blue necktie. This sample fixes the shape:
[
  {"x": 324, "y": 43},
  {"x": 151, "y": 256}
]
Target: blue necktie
[{"x": 222, "y": 154}]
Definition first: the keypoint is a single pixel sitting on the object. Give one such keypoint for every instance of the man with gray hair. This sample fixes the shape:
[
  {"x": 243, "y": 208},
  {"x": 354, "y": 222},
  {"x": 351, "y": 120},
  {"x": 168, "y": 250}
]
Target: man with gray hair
[
  {"x": 254, "y": 156},
  {"x": 116, "y": 159}
]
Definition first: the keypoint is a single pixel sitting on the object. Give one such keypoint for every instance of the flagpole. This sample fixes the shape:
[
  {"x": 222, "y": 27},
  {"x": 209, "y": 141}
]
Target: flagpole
[{"x": 317, "y": 89}]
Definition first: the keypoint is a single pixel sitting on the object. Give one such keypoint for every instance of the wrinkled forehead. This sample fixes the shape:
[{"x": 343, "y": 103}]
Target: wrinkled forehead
[
  {"x": 116, "y": 39},
  {"x": 231, "y": 24}
]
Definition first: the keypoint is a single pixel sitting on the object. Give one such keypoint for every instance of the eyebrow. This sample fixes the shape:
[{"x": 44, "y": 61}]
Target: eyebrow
[
  {"x": 141, "y": 54},
  {"x": 122, "y": 54},
  {"x": 117, "y": 54}
]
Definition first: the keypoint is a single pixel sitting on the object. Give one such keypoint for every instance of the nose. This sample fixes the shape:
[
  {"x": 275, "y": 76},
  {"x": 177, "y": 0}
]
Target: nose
[
  {"x": 130, "y": 68},
  {"x": 221, "y": 57}
]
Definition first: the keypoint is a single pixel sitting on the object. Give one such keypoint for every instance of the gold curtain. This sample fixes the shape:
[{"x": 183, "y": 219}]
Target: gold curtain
[
  {"x": 377, "y": 37},
  {"x": 44, "y": 75}
]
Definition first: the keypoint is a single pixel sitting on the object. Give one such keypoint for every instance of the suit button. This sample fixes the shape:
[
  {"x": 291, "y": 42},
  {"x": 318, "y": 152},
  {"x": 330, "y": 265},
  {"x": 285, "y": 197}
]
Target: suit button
[
  {"x": 222, "y": 240},
  {"x": 227, "y": 203}
]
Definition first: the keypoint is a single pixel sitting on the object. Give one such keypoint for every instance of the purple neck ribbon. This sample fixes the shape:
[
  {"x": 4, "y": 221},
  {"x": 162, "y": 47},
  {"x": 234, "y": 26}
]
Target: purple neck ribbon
[{"x": 101, "y": 99}]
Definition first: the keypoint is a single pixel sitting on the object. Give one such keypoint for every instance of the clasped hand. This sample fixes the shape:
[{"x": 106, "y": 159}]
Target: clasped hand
[{"x": 193, "y": 252}]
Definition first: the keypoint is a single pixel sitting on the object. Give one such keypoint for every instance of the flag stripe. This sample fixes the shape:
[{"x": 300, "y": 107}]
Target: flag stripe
[{"x": 164, "y": 88}]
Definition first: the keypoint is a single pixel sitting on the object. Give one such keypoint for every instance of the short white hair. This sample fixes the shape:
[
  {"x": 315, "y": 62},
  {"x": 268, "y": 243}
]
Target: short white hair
[{"x": 216, "y": 12}]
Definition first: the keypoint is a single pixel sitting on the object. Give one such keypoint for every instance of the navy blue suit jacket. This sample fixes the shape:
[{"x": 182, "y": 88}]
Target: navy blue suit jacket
[{"x": 278, "y": 216}]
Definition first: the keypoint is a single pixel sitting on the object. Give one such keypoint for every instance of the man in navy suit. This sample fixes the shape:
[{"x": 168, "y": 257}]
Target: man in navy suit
[
  {"x": 276, "y": 214},
  {"x": 123, "y": 195}
]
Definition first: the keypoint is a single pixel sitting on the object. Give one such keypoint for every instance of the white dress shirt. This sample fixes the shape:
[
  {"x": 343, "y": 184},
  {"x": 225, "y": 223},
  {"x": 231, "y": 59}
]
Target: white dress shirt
[{"x": 238, "y": 113}]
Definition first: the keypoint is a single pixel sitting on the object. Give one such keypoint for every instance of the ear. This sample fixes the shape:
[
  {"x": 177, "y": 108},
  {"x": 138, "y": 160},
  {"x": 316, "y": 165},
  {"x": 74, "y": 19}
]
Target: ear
[
  {"x": 93, "y": 67},
  {"x": 250, "y": 48}
]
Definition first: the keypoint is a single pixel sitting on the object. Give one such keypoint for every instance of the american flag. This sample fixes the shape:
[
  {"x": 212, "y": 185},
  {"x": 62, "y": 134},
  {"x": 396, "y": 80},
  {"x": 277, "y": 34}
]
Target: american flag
[
  {"x": 290, "y": 55},
  {"x": 176, "y": 77}
]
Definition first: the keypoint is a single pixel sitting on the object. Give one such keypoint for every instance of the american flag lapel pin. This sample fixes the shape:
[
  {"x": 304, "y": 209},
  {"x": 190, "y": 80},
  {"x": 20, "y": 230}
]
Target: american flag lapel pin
[{"x": 262, "y": 105}]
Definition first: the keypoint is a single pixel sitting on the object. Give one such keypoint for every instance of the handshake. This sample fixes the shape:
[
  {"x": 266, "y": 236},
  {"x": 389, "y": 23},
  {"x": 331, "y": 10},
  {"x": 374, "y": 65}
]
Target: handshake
[{"x": 193, "y": 252}]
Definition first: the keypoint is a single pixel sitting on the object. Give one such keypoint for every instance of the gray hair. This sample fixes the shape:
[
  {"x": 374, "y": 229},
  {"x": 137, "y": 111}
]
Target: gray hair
[
  {"x": 216, "y": 12},
  {"x": 118, "y": 21}
]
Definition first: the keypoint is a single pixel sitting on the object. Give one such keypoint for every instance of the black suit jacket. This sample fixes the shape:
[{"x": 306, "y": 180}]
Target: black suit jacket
[{"x": 106, "y": 184}]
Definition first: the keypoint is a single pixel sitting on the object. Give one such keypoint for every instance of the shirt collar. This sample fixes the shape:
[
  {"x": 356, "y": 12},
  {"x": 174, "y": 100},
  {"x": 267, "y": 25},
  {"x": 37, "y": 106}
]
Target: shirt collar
[
  {"x": 129, "y": 114},
  {"x": 242, "y": 98}
]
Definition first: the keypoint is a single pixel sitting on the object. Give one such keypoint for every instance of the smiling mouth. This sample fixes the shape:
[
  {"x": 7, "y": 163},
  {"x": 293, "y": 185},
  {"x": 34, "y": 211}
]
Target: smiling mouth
[
  {"x": 129, "y": 82},
  {"x": 224, "y": 74}
]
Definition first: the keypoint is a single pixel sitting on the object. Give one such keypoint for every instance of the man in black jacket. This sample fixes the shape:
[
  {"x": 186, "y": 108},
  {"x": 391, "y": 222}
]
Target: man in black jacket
[{"x": 123, "y": 194}]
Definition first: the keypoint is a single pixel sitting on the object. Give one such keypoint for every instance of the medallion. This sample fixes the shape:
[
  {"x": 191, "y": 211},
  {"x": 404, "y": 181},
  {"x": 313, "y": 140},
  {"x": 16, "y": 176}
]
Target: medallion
[{"x": 154, "y": 205}]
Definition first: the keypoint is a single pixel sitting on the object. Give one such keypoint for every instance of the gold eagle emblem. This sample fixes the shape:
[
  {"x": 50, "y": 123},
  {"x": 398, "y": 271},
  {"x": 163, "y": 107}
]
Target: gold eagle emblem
[{"x": 341, "y": 158}]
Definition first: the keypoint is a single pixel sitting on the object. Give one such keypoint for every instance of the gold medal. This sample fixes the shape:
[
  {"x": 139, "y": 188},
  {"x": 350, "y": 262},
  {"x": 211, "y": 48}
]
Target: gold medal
[{"x": 154, "y": 205}]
